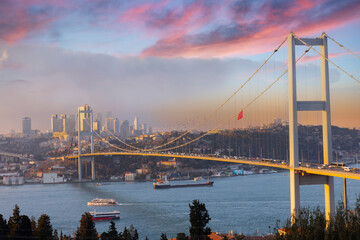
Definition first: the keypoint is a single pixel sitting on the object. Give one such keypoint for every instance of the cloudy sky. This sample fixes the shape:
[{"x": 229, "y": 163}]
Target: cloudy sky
[{"x": 169, "y": 62}]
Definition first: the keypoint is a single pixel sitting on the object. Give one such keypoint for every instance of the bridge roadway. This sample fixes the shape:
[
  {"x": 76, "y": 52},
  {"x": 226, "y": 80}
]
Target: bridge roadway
[{"x": 336, "y": 172}]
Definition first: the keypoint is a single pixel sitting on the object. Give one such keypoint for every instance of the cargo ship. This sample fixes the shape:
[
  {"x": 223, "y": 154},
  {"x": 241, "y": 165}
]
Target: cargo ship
[
  {"x": 165, "y": 184},
  {"x": 103, "y": 216},
  {"x": 102, "y": 202}
]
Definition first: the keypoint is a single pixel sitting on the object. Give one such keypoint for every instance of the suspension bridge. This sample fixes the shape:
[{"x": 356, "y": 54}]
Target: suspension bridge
[{"x": 299, "y": 174}]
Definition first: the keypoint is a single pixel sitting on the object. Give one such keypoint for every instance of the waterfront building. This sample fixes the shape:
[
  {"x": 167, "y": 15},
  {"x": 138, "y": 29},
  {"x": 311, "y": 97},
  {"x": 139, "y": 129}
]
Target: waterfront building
[
  {"x": 52, "y": 178},
  {"x": 26, "y": 125},
  {"x": 13, "y": 180},
  {"x": 129, "y": 176}
]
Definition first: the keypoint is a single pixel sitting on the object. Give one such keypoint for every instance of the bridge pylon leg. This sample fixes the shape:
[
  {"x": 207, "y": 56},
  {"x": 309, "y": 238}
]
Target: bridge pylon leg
[
  {"x": 92, "y": 168},
  {"x": 294, "y": 194},
  {"x": 329, "y": 199}
]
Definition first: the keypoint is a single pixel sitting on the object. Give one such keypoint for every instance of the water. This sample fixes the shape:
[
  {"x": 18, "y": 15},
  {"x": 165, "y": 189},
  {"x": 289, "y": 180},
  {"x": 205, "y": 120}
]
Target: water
[{"x": 247, "y": 204}]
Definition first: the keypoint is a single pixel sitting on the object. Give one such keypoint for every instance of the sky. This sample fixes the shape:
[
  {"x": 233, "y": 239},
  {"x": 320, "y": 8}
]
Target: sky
[{"x": 169, "y": 62}]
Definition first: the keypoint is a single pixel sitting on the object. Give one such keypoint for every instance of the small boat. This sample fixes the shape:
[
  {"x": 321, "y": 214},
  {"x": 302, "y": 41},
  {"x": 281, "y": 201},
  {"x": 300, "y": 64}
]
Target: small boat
[
  {"x": 102, "y": 216},
  {"x": 102, "y": 202}
]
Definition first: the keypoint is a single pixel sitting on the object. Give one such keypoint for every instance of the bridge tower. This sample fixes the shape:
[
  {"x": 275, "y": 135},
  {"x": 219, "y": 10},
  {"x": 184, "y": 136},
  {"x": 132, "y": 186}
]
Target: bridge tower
[
  {"x": 297, "y": 179},
  {"x": 85, "y": 128}
]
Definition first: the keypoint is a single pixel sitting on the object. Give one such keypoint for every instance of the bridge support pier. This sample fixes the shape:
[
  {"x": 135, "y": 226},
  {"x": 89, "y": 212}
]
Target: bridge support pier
[{"x": 324, "y": 107}]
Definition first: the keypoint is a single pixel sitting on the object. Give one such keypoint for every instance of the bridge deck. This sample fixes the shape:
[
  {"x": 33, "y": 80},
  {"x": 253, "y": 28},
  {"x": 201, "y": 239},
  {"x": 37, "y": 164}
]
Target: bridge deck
[{"x": 325, "y": 172}]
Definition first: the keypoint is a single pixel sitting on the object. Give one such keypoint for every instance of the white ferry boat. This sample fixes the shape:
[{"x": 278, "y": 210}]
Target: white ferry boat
[
  {"x": 102, "y": 216},
  {"x": 102, "y": 202}
]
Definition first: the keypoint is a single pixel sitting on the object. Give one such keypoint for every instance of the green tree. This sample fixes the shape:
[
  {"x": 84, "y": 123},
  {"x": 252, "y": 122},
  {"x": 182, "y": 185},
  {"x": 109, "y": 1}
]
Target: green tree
[
  {"x": 33, "y": 224},
  {"x": 163, "y": 236},
  {"x": 4, "y": 228},
  {"x": 181, "y": 236},
  {"x": 14, "y": 223},
  {"x": 199, "y": 217},
  {"x": 111, "y": 234},
  {"x": 87, "y": 228},
  {"x": 44, "y": 230},
  {"x": 19, "y": 225},
  {"x": 309, "y": 225},
  {"x": 55, "y": 235},
  {"x": 129, "y": 234},
  {"x": 25, "y": 230}
]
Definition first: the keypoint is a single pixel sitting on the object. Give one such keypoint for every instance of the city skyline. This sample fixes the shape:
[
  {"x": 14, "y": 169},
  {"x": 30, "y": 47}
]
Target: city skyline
[{"x": 171, "y": 62}]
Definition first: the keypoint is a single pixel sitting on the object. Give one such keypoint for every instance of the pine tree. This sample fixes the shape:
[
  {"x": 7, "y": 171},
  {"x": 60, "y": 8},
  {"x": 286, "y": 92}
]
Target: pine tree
[
  {"x": 199, "y": 217},
  {"x": 87, "y": 228},
  {"x": 33, "y": 225},
  {"x": 14, "y": 223},
  {"x": 55, "y": 235},
  {"x": 163, "y": 236},
  {"x": 113, "y": 233},
  {"x": 25, "y": 230},
  {"x": 44, "y": 229}
]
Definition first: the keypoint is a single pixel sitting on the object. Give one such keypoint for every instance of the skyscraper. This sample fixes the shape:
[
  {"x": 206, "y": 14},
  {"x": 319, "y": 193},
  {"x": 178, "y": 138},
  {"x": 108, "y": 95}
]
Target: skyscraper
[
  {"x": 116, "y": 125},
  {"x": 85, "y": 118},
  {"x": 110, "y": 124},
  {"x": 99, "y": 119},
  {"x": 136, "y": 124},
  {"x": 124, "y": 129},
  {"x": 26, "y": 125}
]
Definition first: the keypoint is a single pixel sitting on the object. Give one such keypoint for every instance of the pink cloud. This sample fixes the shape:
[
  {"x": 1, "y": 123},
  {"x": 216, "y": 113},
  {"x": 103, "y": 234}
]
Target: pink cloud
[
  {"x": 258, "y": 33},
  {"x": 18, "y": 18},
  {"x": 331, "y": 56}
]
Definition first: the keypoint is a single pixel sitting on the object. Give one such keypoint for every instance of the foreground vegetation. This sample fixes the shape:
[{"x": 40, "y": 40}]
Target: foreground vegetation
[{"x": 310, "y": 225}]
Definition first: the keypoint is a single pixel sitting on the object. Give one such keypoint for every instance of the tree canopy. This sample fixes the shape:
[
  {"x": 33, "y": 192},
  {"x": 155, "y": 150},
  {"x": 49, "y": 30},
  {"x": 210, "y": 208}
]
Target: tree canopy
[{"x": 199, "y": 217}]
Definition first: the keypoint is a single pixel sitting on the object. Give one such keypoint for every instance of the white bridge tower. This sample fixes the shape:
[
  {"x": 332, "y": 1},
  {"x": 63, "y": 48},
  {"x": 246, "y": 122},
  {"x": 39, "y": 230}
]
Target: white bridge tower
[{"x": 297, "y": 179}]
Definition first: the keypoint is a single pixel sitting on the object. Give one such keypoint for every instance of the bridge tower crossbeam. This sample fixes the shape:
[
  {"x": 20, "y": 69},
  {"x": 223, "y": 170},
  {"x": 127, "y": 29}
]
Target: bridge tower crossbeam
[{"x": 324, "y": 106}]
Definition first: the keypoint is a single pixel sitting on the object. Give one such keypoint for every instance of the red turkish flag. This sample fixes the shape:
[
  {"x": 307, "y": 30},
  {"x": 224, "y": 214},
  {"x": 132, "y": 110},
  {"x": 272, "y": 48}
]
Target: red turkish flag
[{"x": 241, "y": 115}]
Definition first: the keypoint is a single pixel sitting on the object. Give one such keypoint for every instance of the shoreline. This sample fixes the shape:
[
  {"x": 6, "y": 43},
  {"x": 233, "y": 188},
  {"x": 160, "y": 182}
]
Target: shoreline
[{"x": 152, "y": 180}]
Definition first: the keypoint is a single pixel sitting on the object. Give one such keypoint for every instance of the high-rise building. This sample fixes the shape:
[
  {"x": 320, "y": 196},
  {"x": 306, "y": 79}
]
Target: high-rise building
[
  {"x": 124, "y": 129},
  {"x": 69, "y": 124},
  {"x": 56, "y": 124},
  {"x": 26, "y": 125},
  {"x": 116, "y": 126},
  {"x": 136, "y": 123},
  {"x": 63, "y": 124},
  {"x": 149, "y": 130},
  {"x": 97, "y": 126},
  {"x": 85, "y": 112},
  {"x": 99, "y": 119},
  {"x": 110, "y": 124},
  {"x": 144, "y": 128}
]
